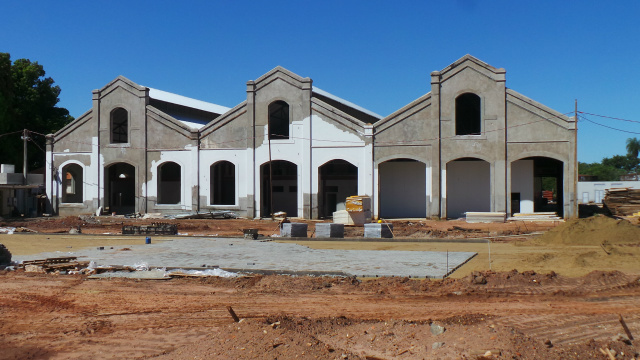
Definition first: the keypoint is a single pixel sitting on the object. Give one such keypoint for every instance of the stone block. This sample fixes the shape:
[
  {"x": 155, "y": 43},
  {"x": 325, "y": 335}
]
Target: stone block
[
  {"x": 378, "y": 230},
  {"x": 351, "y": 218},
  {"x": 329, "y": 230},
  {"x": 293, "y": 230}
]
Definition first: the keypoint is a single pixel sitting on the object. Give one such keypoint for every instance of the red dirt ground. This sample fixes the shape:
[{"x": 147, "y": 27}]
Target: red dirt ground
[
  {"x": 486, "y": 316},
  {"x": 234, "y": 227}
]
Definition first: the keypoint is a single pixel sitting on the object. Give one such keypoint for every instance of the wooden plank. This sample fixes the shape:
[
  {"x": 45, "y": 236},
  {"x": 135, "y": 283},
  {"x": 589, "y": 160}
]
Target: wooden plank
[
  {"x": 233, "y": 314},
  {"x": 625, "y": 327}
]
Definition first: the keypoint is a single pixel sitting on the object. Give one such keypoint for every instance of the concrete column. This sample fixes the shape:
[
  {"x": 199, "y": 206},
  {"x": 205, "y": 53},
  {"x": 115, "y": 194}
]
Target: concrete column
[
  {"x": 194, "y": 175},
  {"x": 436, "y": 206},
  {"x": 252, "y": 180},
  {"x": 306, "y": 165},
  {"x": 368, "y": 174},
  {"x": 49, "y": 175},
  {"x": 94, "y": 192}
]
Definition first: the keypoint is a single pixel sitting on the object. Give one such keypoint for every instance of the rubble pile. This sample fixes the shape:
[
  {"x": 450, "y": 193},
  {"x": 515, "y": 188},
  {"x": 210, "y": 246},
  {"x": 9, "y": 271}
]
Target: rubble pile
[{"x": 5, "y": 255}]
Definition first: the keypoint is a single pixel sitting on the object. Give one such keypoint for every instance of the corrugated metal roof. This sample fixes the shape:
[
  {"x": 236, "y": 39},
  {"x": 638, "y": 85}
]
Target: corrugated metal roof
[
  {"x": 348, "y": 103},
  {"x": 185, "y": 101}
]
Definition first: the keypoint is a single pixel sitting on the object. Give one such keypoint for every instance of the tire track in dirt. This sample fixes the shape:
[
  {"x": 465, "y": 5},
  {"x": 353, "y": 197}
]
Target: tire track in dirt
[{"x": 571, "y": 329}]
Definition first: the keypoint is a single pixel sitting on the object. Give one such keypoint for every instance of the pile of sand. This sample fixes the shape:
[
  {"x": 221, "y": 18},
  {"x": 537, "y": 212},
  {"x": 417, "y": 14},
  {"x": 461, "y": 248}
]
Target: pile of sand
[{"x": 594, "y": 230}]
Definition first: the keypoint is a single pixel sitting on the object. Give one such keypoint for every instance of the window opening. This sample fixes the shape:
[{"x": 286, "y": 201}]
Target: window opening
[
  {"x": 468, "y": 119},
  {"x": 278, "y": 120},
  {"x": 119, "y": 126}
]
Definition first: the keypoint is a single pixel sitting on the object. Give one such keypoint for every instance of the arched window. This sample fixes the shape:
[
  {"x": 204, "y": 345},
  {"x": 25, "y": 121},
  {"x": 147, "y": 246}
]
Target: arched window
[
  {"x": 223, "y": 183},
  {"x": 72, "y": 184},
  {"x": 119, "y": 126},
  {"x": 169, "y": 186},
  {"x": 468, "y": 114},
  {"x": 278, "y": 120}
]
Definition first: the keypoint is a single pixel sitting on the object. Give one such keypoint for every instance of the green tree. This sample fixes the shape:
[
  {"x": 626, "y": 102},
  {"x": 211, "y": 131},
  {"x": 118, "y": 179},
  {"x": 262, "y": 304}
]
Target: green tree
[
  {"x": 633, "y": 147},
  {"x": 602, "y": 171},
  {"x": 28, "y": 100},
  {"x": 623, "y": 162}
]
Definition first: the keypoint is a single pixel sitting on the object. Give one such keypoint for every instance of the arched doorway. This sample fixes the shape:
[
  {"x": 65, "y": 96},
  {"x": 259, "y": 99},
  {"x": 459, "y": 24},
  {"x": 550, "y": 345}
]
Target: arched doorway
[
  {"x": 169, "y": 183},
  {"x": 72, "y": 184},
  {"x": 283, "y": 193},
  {"x": 402, "y": 189},
  {"x": 537, "y": 185},
  {"x": 223, "y": 183},
  {"x": 120, "y": 188},
  {"x": 468, "y": 185},
  {"x": 337, "y": 179}
]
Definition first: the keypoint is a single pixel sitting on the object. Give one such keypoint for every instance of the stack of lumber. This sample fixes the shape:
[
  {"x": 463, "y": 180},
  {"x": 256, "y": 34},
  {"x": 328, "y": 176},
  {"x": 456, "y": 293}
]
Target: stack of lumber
[
  {"x": 622, "y": 201},
  {"x": 538, "y": 216},
  {"x": 53, "y": 264},
  {"x": 485, "y": 217}
]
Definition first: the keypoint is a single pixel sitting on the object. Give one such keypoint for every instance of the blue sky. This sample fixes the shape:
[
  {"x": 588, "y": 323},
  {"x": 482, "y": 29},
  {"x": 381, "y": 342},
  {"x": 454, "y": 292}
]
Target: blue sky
[{"x": 377, "y": 54}]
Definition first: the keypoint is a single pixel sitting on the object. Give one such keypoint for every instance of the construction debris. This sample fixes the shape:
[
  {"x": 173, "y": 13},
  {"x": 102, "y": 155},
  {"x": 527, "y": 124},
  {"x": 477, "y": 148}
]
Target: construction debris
[
  {"x": 54, "y": 265},
  {"x": 351, "y": 218},
  {"x": 10, "y": 230},
  {"x": 153, "y": 229},
  {"x": 622, "y": 201},
  {"x": 251, "y": 234},
  {"x": 233, "y": 314},
  {"x": 625, "y": 327},
  {"x": 5, "y": 255},
  {"x": 222, "y": 214},
  {"x": 485, "y": 217},
  {"x": 89, "y": 219},
  {"x": 538, "y": 216}
]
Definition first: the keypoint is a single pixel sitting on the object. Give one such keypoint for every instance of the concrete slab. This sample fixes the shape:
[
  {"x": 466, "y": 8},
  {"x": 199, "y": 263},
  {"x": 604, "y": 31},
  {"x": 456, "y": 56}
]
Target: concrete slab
[{"x": 255, "y": 255}]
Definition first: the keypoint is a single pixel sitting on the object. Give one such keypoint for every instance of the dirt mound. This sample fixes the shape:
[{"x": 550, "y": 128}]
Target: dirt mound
[
  {"x": 595, "y": 230},
  {"x": 510, "y": 278}
]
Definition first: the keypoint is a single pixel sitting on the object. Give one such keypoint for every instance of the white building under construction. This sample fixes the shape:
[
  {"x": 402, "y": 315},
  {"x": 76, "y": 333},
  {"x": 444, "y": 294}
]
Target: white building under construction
[{"x": 468, "y": 144}]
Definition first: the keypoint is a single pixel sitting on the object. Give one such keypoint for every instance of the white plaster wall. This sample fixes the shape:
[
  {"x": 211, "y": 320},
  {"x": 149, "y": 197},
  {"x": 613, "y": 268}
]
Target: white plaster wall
[
  {"x": 403, "y": 189},
  {"x": 291, "y": 150},
  {"x": 86, "y": 177},
  {"x": 333, "y": 143},
  {"x": 48, "y": 180},
  {"x": 468, "y": 187},
  {"x": 90, "y": 177},
  {"x": 187, "y": 159},
  {"x": 522, "y": 182},
  {"x": 590, "y": 187},
  {"x": 237, "y": 157},
  {"x": 326, "y": 134}
]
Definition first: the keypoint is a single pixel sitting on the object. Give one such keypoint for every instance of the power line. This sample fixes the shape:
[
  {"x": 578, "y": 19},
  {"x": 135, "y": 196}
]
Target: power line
[
  {"x": 609, "y": 127},
  {"x": 11, "y": 133},
  {"x": 609, "y": 117}
]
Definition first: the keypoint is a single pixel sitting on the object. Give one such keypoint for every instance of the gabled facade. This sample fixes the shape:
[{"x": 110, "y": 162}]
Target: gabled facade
[{"x": 469, "y": 144}]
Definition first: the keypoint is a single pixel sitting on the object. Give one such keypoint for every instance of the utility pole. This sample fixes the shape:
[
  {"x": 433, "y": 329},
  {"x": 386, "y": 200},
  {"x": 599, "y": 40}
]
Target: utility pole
[
  {"x": 575, "y": 162},
  {"x": 270, "y": 170},
  {"x": 25, "y": 138}
]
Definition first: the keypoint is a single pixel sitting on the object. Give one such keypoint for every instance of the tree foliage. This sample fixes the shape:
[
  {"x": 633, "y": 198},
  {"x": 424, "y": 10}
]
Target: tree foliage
[
  {"x": 28, "y": 100},
  {"x": 603, "y": 172},
  {"x": 610, "y": 169},
  {"x": 633, "y": 147}
]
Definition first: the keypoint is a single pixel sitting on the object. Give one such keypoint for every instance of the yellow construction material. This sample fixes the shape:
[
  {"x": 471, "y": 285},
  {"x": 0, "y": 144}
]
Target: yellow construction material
[{"x": 358, "y": 203}]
